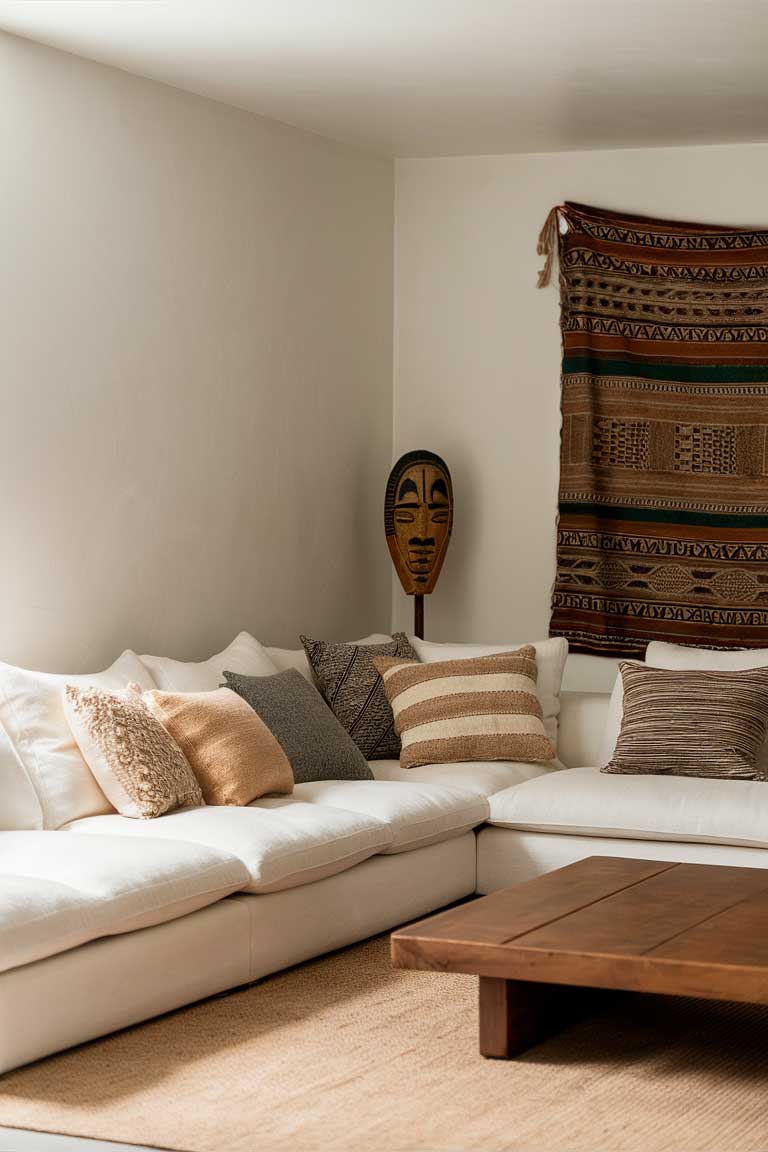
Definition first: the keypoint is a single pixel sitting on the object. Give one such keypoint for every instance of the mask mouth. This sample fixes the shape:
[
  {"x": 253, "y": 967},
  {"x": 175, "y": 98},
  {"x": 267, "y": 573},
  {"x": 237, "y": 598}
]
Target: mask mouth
[{"x": 421, "y": 559}]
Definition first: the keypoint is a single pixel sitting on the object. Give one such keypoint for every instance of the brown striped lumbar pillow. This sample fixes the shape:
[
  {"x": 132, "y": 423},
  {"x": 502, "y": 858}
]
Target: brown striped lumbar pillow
[
  {"x": 480, "y": 709},
  {"x": 681, "y": 723}
]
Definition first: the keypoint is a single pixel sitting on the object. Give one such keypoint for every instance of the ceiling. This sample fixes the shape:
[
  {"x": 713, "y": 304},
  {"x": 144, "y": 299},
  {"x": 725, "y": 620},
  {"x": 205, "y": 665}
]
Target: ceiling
[{"x": 444, "y": 77}]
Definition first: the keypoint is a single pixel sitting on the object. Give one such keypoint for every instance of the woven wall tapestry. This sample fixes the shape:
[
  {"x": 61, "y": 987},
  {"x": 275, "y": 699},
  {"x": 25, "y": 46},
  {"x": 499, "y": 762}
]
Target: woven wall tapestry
[{"x": 663, "y": 529}]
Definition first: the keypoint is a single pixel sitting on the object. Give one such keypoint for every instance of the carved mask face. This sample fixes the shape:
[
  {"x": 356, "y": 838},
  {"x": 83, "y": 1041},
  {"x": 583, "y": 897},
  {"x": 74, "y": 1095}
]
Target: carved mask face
[{"x": 419, "y": 516}]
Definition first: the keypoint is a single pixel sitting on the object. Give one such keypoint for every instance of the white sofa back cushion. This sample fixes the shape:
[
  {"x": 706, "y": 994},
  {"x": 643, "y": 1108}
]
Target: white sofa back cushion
[
  {"x": 550, "y": 663},
  {"x": 19, "y": 805},
  {"x": 32, "y": 714},
  {"x": 586, "y": 673},
  {"x": 581, "y": 727},
  {"x": 244, "y": 655}
]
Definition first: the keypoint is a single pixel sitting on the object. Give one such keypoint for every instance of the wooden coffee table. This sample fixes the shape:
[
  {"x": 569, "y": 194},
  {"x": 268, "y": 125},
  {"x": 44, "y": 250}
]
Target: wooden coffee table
[{"x": 543, "y": 947}]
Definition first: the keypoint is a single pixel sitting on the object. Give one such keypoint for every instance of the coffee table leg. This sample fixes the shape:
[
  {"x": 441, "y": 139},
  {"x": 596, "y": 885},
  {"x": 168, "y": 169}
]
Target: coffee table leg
[{"x": 517, "y": 1014}]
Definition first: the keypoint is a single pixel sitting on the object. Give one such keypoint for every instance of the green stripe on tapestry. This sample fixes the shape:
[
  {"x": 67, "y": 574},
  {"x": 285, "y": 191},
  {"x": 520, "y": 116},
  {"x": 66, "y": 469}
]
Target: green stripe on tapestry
[
  {"x": 688, "y": 373},
  {"x": 664, "y": 516}
]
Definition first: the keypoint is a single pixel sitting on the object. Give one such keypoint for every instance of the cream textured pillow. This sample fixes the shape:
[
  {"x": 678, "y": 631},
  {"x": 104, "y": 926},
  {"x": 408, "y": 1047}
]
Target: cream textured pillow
[
  {"x": 232, "y": 753},
  {"x": 453, "y": 710},
  {"x": 139, "y": 766}
]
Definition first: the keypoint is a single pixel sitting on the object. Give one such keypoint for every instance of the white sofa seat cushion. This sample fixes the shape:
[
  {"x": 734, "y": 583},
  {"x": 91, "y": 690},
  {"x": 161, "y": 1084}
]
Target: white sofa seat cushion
[
  {"x": 587, "y": 802},
  {"x": 244, "y": 655},
  {"x": 483, "y": 777},
  {"x": 418, "y": 814},
  {"x": 41, "y": 917},
  {"x": 281, "y": 846},
  {"x": 58, "y": 891}
]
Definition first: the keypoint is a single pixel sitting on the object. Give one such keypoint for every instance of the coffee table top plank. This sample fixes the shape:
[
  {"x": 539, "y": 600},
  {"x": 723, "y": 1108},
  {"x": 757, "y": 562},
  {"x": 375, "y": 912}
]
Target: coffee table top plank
[
  {"x": 646, "y": 915},
  {"x": 511, "y": 912},
  {"x": 737, "y": 936}
]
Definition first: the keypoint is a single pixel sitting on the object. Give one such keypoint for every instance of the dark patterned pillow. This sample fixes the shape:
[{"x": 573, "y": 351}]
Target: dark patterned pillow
[
  {"x": 311, "y": 737},
  {"x": 698, "y": 723},
  {"x": 355, "y": 690}
]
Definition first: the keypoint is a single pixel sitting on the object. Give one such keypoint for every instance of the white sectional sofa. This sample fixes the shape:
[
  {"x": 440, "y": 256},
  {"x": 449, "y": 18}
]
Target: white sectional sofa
[{"x": 107, "y": 921}]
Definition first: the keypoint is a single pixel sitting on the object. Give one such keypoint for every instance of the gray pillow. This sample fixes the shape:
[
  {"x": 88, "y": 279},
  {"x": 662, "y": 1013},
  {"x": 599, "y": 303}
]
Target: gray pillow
[
  {"x": 315, "y": 743},
  {"x": 355, "y": 691}
]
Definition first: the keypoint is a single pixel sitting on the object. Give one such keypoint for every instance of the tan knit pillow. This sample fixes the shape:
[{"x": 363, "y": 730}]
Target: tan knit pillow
[
  {"x": 138, "y": 766},
  {"x": 231, "y": 751},
  {"x": 480, "y": 709}
]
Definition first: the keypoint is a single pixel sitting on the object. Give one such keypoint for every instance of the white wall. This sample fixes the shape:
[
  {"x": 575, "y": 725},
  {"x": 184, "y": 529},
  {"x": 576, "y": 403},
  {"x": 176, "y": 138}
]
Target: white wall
[
  {"x": 195, "y": 363},
  {"x": 477, "y": 348}
]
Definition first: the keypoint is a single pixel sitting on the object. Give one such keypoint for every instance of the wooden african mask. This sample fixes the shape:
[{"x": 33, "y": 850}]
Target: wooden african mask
[{"x": 418, "y": 518}]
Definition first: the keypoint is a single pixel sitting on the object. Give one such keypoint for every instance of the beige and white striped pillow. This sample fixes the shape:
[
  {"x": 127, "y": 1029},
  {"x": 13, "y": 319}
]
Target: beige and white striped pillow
[
  {"x": 691, "y": 723},
  {"x": 480, "y": 709}
]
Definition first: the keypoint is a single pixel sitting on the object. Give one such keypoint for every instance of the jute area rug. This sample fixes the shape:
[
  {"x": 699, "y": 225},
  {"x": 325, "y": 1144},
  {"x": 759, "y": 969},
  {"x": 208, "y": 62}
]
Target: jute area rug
[{"x": 345, "y": 1054}]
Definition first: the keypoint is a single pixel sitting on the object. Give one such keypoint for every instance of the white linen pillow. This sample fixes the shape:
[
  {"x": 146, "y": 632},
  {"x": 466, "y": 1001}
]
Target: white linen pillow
[
  {"x": 682, "y": 658},
  {"x": 285, "y": 658},
  {"x": 550, "y": 664},
  {"x": 32, "y": 714},
  {"x": 659, "y": 654},
  {"x": 244, "y": 655},
  {"x": 613, "y": 719},
  {"x": 19, "y": 806}
]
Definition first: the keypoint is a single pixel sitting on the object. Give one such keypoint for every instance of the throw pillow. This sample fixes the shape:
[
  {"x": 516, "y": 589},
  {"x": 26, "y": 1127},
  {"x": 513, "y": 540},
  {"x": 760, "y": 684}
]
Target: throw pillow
[
  {"x": 284, "y": 658},
  {"x": 234, "y": 756},
  {"x": 314, "y": 742},
  {"x": 680, "y": 656},
  {"x": 680, "y": 723},
  {"x": 139, "y": 766},
  {"x": 32, "y": 714},
  {"x": 480, "y": 709},
  {"x": 243, "y": 655},
  {"x": 550, "y": 664},
  {"x": 352, "y": 687},
  {"x": 659, "y": 654}
]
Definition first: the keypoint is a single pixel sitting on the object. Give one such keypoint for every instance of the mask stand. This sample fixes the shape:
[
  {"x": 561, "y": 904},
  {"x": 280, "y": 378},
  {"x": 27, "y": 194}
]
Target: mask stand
[{"x": 418, "y": 616}]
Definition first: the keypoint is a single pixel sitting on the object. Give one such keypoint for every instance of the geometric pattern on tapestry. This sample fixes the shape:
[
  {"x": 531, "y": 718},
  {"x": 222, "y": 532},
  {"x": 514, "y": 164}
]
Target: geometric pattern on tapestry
[{"x": 663, "y": 495}]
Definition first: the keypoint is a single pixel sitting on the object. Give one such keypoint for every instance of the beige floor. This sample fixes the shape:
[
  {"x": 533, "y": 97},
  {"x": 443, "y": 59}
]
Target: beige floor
[{"x": 345, "y": 1055}]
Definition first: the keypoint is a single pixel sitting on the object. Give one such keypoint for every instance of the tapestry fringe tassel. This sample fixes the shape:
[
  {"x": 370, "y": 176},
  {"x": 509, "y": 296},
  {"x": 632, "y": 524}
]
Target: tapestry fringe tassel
[{"x": 547, "y": 245}]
